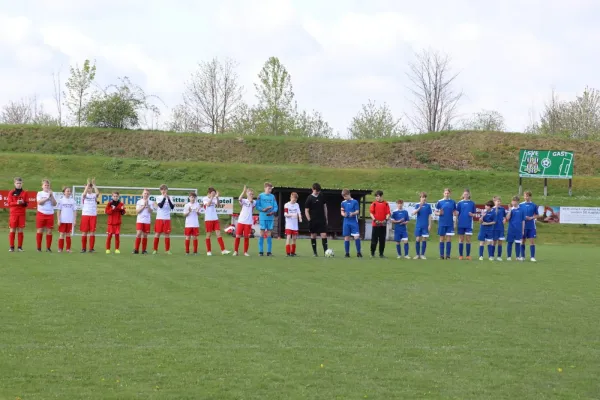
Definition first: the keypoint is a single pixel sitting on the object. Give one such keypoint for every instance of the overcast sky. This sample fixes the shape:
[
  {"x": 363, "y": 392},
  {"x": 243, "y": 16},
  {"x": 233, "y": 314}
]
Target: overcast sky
[{"x": 510, "y": 54}]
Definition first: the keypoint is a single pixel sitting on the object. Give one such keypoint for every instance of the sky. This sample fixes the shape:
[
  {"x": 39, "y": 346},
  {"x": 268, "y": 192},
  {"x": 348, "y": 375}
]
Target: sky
[{"x": 340, "y": 54}]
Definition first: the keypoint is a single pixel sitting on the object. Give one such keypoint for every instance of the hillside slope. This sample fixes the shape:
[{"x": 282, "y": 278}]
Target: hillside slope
[{"x": 448, "y": 150}]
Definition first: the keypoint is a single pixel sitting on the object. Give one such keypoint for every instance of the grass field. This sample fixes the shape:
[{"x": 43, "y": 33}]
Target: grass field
[{"x": 99, "y": 326}]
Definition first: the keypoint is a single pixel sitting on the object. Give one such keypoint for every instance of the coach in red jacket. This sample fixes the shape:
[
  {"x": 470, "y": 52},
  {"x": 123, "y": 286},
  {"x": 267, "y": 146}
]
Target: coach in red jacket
[
  {"x": 17, "y": 203},
  {"x": 380, "y": 214}
]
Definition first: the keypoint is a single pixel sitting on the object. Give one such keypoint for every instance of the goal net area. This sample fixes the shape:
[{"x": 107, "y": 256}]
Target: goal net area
[{"x": 130, "y": 195}]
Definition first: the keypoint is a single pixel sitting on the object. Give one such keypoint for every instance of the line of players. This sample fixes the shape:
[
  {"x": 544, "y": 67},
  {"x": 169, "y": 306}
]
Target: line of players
[{"x": 453, "y": 217}]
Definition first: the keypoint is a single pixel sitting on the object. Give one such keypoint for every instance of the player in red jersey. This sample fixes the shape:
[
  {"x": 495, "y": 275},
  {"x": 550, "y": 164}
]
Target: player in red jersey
[
  {"x": 89, "y": 213},
  {"x": 115, "y": 211},
  {"x": 44, "y": 220},
  {"x": 17, "y": 203}
]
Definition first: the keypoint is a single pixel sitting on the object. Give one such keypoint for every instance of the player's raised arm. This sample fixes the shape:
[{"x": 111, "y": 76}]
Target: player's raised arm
[{"x": 52, "y": 199}]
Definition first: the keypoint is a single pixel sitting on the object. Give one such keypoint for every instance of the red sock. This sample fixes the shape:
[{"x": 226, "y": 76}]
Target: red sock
[
  {"x": 288, "y": 249},
  {"x": 236, "y": 244},
  {"x": 61, "y": 244},
  {"x": 137, "y": 243},
  {"x": 83, "y": 242},
  {"x": 246, "y": 244},
  {"x": 20, "y": 237},
  {"x": 221, "y": 243},
  {"x": 92, "y": 242},
  {"x": 48, "y": 241},
  {"x": 195, "y": 245},
  {"x": 167, "y": 244},
  {"x": 11, "y": 239},
  {"x": 208, "y": 245},
  {"x": 144, "y": 243},
  {"x": 117, "y": 242},
  {"x": 38, "y": 240},
  {"x": 156, "y": 243},
  {"x": 187, "y": 245},
  {"x": 68, "y": 242},
  {"x": 108, "y": 240},
  {"x": 293, "y": 249}
]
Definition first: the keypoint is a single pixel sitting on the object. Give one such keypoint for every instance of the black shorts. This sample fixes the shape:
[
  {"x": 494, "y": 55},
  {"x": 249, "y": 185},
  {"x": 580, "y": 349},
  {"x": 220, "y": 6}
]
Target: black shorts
[{"x": 317, "y": 226}]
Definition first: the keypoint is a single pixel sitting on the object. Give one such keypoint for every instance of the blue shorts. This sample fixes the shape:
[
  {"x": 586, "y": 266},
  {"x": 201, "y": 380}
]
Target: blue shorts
[
  {"x": 529, "y": 233},
  {"x": 514, "y": 236},
  {"x": 350, "y": 228},
  {"x": 421, "y": 232},
  {"x": 498, "y": 235},
  {"x": 465, "y": 231},
  {"x": 266, "y": 225},
  {"x": 485, "y": 236},
  {"x": 400, "y": 236},
  {"x": 445, "y": 230}
]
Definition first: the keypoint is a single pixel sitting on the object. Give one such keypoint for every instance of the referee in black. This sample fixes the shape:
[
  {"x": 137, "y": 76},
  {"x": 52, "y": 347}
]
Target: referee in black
[{"x": 315, "y": 210}]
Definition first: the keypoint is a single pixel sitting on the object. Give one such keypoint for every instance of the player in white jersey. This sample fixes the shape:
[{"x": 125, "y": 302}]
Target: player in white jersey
[
  {"x": 162, "y": 224},
  {"x": 245, "y": 220},
  {"x": 293, "y": 215},
  {"x": 143, "y": 210},
  {"x": 211, "y": 220},
  {"x": 45, "y": 215},
  {"x": 66, "y": 218},
  {"x": 89, "y": 212},
  {"x": 192, "y": 226}
]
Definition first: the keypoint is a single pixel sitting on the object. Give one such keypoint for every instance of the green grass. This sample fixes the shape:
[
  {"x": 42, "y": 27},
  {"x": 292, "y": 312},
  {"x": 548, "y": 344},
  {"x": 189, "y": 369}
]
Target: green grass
[{"x": 99, "y": 326}]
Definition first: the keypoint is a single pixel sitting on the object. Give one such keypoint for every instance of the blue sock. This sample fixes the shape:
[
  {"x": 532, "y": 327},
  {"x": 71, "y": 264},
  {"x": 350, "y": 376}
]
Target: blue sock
[
  {"x": 493, "y": 250},
  {"x": 522, "y": 249},
  {"x": 418, "y": 248},
  {"x": 405, "y": 249},
  {"x": 509, "y": 250},
  {"x": 518, "y": 250},
  {"x": 490, "y": 250},
  {"x": 347, "y": 246},
  {"x": 269, "y": 244},
  {"x": 461, "y": 246},
  {"x": 448, "y": 248},
  {"x": 499, "y": 250},
  {"x": 532, "y": 250},
  {"x": 357, "y": 243},
  {"x": 468, "y": 249},
  {"x": 261, "y": 244},
  {"x": 441, "y": 249},
  {"x": 423, "y": 248},
  {"x": 480, "y": 250},
  {"x": 398, "y": 250}
]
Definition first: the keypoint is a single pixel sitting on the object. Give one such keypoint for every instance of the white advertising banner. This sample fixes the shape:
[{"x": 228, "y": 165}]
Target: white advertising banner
[{"x": 580, "y": 215}]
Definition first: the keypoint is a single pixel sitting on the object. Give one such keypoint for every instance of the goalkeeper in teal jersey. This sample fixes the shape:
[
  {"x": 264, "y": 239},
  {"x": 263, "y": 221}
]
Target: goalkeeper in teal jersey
[{"x": 266, "y": 204}]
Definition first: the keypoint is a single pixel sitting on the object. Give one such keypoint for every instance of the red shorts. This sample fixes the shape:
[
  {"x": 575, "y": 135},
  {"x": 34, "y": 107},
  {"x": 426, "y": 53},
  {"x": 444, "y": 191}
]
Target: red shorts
[
  {"x": 65, "y": 227},
  {"x": 243, "y": 230},
  {"x": 212, "y": 226},
  {"x": 162, "y": 226},
  {"x": 16, "y": 221},
  {"x": 191, "y": 231},
  {"x": 142, "y": 227},
  {"x": 291, "y": 232},
  {"x": 44, "y": 221},
  {"x": 113, "y": 229},
  {"x": 88, "y": 223}
]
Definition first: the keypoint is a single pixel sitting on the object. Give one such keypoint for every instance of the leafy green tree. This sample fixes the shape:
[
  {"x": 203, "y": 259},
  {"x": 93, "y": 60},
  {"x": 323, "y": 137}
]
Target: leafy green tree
[
  {"x": 375, "y": 122},
  {"x": 78, "y": 90}
]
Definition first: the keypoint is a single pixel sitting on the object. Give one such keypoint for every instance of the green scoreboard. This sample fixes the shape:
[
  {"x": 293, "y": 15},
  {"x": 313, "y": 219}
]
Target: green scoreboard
[{"x": 554, "y": 164}]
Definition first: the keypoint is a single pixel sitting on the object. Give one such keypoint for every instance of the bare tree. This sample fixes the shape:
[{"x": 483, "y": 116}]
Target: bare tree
[
  {"x": 485, "y": 120},
  {"x": 57, "y": 96},
  {"x": 211, "y": 97},
  {"x": 16, "y": 112},
  {"x": 435, "y": 99}
]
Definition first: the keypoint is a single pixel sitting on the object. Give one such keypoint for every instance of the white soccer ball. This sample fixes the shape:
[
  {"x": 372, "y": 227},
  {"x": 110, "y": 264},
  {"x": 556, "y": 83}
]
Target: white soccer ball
[{"x": 329, "y": 253}]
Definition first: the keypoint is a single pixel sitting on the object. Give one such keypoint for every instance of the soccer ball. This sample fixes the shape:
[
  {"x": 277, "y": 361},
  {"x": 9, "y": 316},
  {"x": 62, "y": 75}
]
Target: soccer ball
[{"x": 329, "y": 253}]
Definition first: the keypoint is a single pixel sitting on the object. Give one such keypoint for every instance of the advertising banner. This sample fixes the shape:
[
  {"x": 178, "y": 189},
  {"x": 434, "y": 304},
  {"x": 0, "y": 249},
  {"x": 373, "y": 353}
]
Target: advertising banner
[{"x": 580, "y": 215}]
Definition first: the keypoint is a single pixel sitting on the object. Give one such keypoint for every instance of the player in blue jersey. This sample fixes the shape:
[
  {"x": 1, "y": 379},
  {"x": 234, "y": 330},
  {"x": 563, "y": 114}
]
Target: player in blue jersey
[
  {"x": 350, "y": 228},
  {"x": 446, "y": 209},
  {"x": 465, "y": 210},
  {"x": 400, "y": 219},
  {"x": 266, "y": 204},
  {"x": 516, "y": 226},
  {"x": 423, "y": 227},
  {"x": 530, "y": 213},
  {"x": 486, "y": 232},
  {"x": 498, "y": 229}
]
